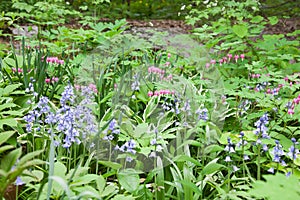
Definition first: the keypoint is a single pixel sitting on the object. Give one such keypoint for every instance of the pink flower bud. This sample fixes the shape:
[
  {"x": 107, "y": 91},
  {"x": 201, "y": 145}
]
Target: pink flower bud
[
  {"x": 47, "y": 80},
  {"x": 150, "y": 94},
  {"x": 242, "y": 56}
]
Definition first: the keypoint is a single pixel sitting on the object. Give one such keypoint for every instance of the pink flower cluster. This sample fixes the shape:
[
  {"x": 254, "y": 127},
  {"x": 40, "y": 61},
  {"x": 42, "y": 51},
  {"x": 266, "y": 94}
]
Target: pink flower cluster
[
  {"x": 225, "y": 59},
  {"x": 255, "y": 75},
  {"x": 160, "y": 92},
  {"x": 91, "y": 86},
  {"x": 156, "y": 70},
  {"x": 51, "y": 80},
  {"x": 20, "y": 70},
  {"x": 296, "y": 101},
  {"x": 54, "y": 60}
]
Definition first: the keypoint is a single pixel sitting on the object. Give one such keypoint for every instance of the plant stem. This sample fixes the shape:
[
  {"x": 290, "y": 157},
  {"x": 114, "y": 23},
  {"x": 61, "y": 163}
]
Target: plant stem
[
  {"x": 51, "y": 164},
  {"x": 258, "y": 162}
]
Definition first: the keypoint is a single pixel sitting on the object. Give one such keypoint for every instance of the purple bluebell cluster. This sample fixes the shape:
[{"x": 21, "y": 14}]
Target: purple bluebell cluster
[
  {"x": 261, "y": 128},
  {"x": 277, "y": 152},
  {"x": 202, "y": 114},
  {"x": 128, "y": 147},
  {"x": 135, "y": 86},
  {"x": 293, "y": 151},
  {"x": 113, "y": 129},
  {"x": 73, "y": 122}
]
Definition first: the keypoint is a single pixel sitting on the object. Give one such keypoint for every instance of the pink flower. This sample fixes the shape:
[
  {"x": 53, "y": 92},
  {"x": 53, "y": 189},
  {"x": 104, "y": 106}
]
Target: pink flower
[
  {"x": 290, "y": 111},
  {"x": 225, "y": 59},
  {"x": 229, "y": 57},
  {"x": 47, "y": 80},
  {"x": 77, "y": 87},
  {"x": 286, "y": 78},
  {"x": 207, "y": 65},
  {"x": 150, "y": 94},
  {"x": 236, "y": 57},
  {"x": 54, "y": 79},
  {"x": 213, "y": 62},
  {"x": 169, "y": 55},
  {"x": 167, "y": 63},
  {"x": 242, "y": 56},
  {"x": 221, "y": 61}
]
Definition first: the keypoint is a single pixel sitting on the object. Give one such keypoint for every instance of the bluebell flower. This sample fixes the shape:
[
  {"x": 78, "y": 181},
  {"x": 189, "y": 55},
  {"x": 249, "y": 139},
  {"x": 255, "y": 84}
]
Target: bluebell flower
[
  {"x": 235, "y": 168},
  {"x": 135, "y": 86},
  {"x": 67, "y": 95},
  {"x": 265, "y": 148},
  {"x": 246, "y": 157},
  {"x": 293, "y": 151},
  {"x": 271, "y": 170},
  {"x": 277, "y": 152},
  {"x": 202, "y": 114},
  {"x": 130, "y": 146},
  {"x": 186, "y": 107},
  {"x": 261, "y": 129},
  {"x": 229, "y": 147},
  {"x": 228, "y": 159},
  {"x": 19, "y": 181}
]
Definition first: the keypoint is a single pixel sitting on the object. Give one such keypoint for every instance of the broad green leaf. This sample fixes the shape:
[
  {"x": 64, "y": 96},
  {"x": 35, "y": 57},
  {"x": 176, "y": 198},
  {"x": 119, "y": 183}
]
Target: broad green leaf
[
  {"x": 273, "y": 20},
  {"x": 112, "y": 165},
  {"x": 5, "y": 148},
  {"x": 185, "y": 158},
  {"x": 82, "y": 180},
  {"x": 29, "y": 156},
  {"x": 100, "y": 182},
  {"x": 32, "y": 176},
  {"x": 12, "y": 122},
  {"x": 211, "y": 167},
  {"x": 129, "y": 179},
  {"x": 108, "y": 190},
  {"x": 10, "y": 88},
  {"x": 151, "y": 106},
  {"x": 240, "y": 30},
  {"x": 7, "y": 105},
  {"x": 276, "y": 187},
  {"x": 4, "y": 136},
  {"x": 123, "y": 197},
  {"x": 9, "y": 160}
]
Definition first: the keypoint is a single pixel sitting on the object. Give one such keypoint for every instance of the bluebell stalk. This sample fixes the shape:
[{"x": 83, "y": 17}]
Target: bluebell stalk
[
  {"x": 261, "y": 132},
  {"x": 135, "y": 86}
]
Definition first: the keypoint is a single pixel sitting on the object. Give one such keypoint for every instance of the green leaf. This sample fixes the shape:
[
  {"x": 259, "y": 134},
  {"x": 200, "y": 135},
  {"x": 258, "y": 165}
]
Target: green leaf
[
  {"x": 151, "y": 106},
  {"x": 32, "y": 176},
  {"x": 276, "y": 187},
  {"x": 211, "y": 167},
  {"x": 240, "y": 30},
  {"x": 185, "y": 158},
  {"x": 4, "y": 136},
  {"x": 84, "y": 180},
  {"x": 5, "y": 148},
  {"x": 273, "y": 20},
  {"x": 129, "y": 179},
  {"x": 108, "y": 190},
  {"x": 7, "y": 105},
  {"x": 112, "y": 165},
  {"x": 123, "y": 197},
  {"x": 9, "y": 160},
  {"x": 12, "y": 122},
  {"x": 10, "y": 88},
  {"x": 29, "y": 156},
  {"x": 100, "y": 182}
]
